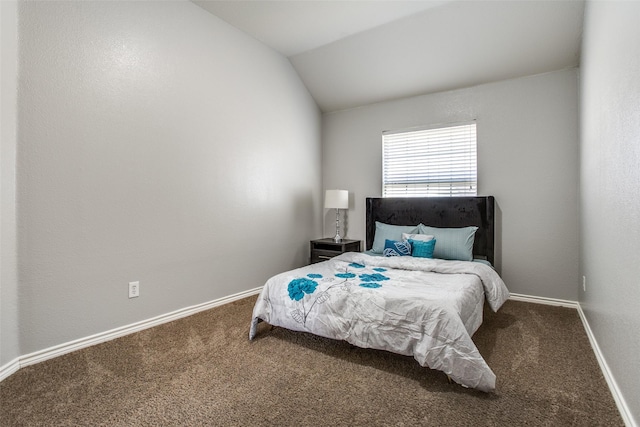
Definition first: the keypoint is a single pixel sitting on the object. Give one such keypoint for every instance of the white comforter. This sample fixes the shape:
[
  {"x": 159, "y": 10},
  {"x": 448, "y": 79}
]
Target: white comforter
[{"x": 425, "y": 308}]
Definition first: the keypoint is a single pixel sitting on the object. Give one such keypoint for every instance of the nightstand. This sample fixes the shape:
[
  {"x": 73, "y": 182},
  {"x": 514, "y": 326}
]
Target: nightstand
[{"x": 324, "y": 249}]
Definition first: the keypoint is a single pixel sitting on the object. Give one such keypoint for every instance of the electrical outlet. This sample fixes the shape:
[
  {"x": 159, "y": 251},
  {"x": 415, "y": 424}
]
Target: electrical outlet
[
  {"x": 134, "y": 289},
  {"x": 584, "y": 283}
]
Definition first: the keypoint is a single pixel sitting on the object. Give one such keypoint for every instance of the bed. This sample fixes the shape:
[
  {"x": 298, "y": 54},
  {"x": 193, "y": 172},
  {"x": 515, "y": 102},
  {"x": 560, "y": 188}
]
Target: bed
[{"x": 427, "y": 308}]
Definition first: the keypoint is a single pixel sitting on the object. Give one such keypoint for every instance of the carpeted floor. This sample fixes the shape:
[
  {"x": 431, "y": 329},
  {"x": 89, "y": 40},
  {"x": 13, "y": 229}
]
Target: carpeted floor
[{"x": 202, "y": 370}]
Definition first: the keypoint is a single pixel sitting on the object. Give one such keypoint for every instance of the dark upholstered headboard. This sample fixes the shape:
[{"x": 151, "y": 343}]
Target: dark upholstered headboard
[{"x": 437, "y": 212}]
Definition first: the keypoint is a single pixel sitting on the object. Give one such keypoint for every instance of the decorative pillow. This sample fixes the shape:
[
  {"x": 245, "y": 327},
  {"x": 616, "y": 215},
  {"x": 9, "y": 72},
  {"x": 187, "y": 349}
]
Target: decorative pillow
[
  {"x": 391, "y": 232},
  {"x": 396, "y": 248},
  {"x": 422, "y": 249},
  {"x": 453, "y": 243},
  {"x": 419, "y": 237}
]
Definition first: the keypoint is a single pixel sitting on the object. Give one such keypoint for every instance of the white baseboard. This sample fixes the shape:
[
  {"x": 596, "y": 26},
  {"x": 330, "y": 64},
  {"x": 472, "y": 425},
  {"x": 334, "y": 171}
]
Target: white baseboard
[
  {"x": 544, "y": 300},
  {"x": 623, "y": 408},
  {"x": 9, "y": 368},
  {"x": 59, "y": 350}
]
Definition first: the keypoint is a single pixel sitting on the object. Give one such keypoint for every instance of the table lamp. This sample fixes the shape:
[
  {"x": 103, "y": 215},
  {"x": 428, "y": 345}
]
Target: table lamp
[{"x": 336, "y": 199}]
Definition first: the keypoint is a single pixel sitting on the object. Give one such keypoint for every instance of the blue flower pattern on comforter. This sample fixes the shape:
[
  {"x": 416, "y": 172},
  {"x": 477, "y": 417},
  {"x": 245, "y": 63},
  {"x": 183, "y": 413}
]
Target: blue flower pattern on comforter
[
  {"x": 299, "y": 287},
  {"x": 376, "y": 277}
]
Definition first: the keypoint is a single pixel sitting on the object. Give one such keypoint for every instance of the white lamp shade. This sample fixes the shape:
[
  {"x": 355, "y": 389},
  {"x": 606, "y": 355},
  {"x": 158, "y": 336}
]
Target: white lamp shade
[{"x": 336, "y": 199}]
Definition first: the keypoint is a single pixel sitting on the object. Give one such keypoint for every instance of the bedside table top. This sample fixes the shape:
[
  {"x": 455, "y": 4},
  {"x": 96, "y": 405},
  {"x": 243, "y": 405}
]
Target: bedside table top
[{"x": 330, "y": 240}]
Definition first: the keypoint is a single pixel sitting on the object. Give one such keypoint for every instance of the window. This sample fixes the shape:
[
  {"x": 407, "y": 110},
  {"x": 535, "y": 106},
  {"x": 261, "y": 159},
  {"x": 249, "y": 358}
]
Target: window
[{"x": 430, "y": 162}]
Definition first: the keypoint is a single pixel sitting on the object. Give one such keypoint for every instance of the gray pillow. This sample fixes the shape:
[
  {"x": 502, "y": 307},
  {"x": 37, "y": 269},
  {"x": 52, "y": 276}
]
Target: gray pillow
[
  {"x": 390, "y": 232},
  {"x": 453, "y": 243}
]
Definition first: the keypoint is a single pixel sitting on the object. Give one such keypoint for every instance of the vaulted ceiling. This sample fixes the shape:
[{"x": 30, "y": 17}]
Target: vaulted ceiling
[{"x": 354, "y": 53}]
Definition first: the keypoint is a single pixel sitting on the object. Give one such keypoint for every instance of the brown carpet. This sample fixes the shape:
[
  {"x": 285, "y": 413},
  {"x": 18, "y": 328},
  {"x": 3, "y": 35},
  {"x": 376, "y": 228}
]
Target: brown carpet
[{"x": 202, "y": 370}]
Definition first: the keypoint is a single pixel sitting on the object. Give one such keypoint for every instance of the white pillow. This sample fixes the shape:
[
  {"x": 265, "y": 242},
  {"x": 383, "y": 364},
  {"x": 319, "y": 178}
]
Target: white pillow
[{"x": 418, "y": 237}]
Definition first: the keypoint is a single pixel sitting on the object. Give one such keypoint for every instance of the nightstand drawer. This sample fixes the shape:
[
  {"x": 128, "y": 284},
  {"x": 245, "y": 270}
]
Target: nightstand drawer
[
  {"x": 325, "y": 249},
  {"x": 323, "y": 255}
]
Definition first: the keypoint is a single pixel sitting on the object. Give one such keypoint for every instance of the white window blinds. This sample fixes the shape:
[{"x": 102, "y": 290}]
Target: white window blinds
[{"x": 430, "y": 162}]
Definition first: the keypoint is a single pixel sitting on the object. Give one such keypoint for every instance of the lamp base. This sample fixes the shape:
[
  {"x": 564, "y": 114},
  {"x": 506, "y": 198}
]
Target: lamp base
[{"x": 337, "y": 237}]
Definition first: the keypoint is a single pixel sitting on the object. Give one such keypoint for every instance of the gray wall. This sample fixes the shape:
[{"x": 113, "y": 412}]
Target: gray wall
[
  {"x": 527, "y": 159},
  {"x": 610, "y": 188},
  {"x": 155, "y": 143},
  {"x": 9, "y": 340}
]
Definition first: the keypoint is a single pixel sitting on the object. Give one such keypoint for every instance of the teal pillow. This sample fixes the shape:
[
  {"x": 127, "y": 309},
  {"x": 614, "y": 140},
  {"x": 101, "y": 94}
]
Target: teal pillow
[
  {"x": 390, "y": 232},
  {"x": 453, "y": 243},
  {"x": 422, "y": 249},
  {"x": 396, "y": 248}
]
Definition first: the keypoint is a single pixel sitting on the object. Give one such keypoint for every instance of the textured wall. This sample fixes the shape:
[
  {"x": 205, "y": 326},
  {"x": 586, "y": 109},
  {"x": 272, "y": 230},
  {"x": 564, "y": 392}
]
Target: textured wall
[
  {"x": 9, "y": 339},
  {"x": 610, "y": 183},
  {"x": 158, "y": 144},
  {"x": 527, "y": 158}
]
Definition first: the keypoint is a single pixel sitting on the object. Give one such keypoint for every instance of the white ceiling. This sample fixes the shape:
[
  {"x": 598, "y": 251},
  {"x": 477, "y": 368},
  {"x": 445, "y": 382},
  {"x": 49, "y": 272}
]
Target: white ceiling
[
  {"x": 293, "y": 27},
  {"x": 354, "y": 53}
]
